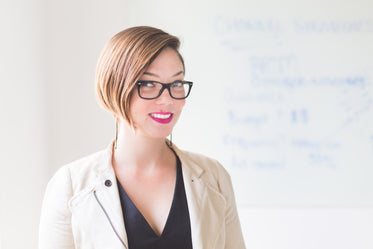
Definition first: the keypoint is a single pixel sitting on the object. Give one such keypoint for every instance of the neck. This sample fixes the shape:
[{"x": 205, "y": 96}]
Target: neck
[{"x": 138, "y": 152}]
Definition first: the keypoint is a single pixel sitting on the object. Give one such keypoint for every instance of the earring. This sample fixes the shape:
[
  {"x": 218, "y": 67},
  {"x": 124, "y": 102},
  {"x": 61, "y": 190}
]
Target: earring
[
  {"x": 171, "y": 139},
  {"x": 116, "y": 134}
]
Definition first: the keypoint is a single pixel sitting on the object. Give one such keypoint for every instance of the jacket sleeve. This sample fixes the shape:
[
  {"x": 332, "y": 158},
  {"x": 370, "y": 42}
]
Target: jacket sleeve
[
  {"x": 55, "y": 230},
  {"x": 233, "y": 233}
]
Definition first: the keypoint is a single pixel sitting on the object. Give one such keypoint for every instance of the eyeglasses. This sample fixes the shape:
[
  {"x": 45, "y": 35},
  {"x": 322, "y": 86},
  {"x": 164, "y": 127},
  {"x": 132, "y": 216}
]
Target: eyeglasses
[{"x": 152, "y": 89}]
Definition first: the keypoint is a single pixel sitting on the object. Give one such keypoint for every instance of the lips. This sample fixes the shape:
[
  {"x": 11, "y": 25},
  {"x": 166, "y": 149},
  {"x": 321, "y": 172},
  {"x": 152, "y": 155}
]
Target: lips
[{"x": 162, "y": 117}]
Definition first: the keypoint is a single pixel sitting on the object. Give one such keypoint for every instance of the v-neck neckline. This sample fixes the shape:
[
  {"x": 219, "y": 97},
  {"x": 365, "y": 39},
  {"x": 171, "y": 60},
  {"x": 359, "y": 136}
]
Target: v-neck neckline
[{"x": 170, "y": 212}]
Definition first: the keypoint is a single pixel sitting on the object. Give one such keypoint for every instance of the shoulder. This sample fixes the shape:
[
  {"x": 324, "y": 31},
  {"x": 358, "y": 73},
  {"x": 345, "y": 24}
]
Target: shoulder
[
  {"x": 82, "y": 173},
  {"x": 206, "y": 163},
  {"x": 210, "y": 170}
]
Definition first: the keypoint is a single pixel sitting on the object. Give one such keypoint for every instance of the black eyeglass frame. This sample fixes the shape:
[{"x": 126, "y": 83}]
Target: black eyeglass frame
[{"x": 164, "y": 86}]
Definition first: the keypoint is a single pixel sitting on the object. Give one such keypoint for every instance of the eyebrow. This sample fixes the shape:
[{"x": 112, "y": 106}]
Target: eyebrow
[{"x": 155, "y": 75}]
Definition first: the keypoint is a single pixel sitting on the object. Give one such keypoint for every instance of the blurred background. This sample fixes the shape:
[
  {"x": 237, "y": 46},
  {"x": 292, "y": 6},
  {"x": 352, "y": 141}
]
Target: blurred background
[{"x": 283, "y": 97}]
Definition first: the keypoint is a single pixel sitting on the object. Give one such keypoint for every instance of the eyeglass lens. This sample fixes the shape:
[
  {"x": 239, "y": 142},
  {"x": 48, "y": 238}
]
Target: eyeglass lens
[{"x": 150, "y": 90}]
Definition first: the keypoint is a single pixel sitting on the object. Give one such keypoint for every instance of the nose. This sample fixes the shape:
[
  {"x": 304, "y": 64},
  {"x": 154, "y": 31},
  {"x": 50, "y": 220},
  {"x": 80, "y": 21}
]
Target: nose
[{"x": 165, "y": 98}]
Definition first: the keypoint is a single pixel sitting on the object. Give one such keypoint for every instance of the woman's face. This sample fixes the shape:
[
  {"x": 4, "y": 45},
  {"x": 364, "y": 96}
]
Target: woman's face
[{"x": 157, "y": 117}]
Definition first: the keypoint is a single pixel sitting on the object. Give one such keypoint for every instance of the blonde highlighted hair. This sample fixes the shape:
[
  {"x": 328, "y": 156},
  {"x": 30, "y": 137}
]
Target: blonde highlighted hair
[{"x": 123, "y": 61}]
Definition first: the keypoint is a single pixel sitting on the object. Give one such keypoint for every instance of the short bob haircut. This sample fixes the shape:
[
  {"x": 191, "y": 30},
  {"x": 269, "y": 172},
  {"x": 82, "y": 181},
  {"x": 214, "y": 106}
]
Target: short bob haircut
[{"x": 123, "y": 61}]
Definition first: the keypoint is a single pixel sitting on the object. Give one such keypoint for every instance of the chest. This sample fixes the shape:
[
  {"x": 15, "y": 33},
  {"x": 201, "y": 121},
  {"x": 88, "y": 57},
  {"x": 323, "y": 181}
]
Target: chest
[
  {"x": 152, "y": 195},
  {"x": 175, "y": 230}
]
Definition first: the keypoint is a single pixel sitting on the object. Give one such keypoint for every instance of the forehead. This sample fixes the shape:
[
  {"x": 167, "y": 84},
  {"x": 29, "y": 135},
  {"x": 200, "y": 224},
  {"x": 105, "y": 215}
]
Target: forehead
[{"x": 167, "y": 63}]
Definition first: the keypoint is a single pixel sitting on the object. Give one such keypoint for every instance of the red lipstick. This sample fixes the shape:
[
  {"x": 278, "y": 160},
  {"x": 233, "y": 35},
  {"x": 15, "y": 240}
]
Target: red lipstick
[{"x": 162, "y": 117}]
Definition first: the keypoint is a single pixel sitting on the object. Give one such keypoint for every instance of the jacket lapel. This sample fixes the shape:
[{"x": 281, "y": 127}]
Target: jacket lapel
[
  {"x": 108, "y": 200},
  {"x": 98, "y": 209},
  {"x": 206, "y": 205}
]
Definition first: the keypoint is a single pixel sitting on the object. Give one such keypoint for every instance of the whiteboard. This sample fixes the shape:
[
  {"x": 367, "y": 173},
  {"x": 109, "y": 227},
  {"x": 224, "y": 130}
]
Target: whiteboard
[{"x": 282, "y": 96}]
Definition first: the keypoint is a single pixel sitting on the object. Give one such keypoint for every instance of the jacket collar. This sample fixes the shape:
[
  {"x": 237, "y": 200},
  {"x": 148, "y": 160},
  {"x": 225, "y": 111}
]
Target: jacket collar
[{"x": 194, "y": 169}]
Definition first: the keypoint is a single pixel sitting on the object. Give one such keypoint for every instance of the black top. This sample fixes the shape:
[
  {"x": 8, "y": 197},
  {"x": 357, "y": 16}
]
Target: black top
[{"x": 176, "y": 233}]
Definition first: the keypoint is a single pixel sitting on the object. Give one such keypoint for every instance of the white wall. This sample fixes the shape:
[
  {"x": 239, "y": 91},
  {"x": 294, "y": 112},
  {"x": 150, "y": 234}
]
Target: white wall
[
  {"x": 77, "y": 32},
  {"x": 23, "y": 146},
  {"x": 308, "y": 228}
]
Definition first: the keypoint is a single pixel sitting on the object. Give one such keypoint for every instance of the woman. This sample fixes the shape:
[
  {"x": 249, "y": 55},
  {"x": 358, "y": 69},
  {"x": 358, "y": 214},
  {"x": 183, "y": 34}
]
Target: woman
[{"x": 142, "y": 191}]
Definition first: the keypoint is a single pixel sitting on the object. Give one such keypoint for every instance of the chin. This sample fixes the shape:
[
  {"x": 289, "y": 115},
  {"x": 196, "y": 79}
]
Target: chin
[{"x": 163, "y": 133}]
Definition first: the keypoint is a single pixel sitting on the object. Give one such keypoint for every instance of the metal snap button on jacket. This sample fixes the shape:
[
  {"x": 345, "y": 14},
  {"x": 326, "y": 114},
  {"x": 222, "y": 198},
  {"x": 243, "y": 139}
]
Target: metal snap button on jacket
[{"x": 108, "y": 183}]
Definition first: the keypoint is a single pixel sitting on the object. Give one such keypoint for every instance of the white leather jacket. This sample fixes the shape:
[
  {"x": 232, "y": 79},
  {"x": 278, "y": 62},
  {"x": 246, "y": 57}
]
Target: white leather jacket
[{"x": 82, "y": 210}]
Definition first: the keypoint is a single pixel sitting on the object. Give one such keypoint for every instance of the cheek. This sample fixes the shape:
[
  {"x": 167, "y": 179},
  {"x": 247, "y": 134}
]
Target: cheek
[
  {"x": 180, "y": 105},
  {"x": 137, "y": 109},
  {"x": 137, "y": 106}
]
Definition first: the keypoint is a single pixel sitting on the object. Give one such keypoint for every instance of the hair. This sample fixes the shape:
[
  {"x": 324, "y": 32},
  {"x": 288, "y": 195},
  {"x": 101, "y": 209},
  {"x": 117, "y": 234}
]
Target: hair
[{"x": 123, "y": 61}]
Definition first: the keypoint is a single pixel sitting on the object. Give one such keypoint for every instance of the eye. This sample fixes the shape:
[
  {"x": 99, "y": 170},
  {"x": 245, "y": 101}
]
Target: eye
[
  {"x": 177, "y": 84},
  {"x": 147, "y": 84}
]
